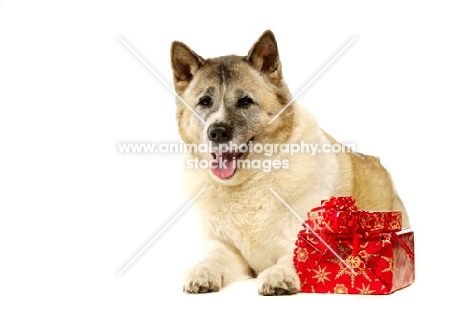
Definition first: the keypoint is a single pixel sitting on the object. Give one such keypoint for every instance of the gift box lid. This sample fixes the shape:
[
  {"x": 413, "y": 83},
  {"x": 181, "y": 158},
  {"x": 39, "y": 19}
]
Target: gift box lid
[{"x": 340, "y": 215}]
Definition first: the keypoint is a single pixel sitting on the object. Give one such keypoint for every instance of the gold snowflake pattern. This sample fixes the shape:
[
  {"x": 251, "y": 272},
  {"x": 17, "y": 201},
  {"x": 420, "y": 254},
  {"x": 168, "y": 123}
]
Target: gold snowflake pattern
[
  {"x": 321, "y": 275},
  {"x": 395, "y": 224},
  {"x": 365, "y": 220},
  {"x": 390, "y": 264},
  {"x": 365, "y": 256},
  {"x": 384, "y": 240},
  {"x": 353, "y": 262},
  {"x": 365, "y": 290},
  {"x": 371, "y": 221},
  {"x": 340, "y": 289},
  {"x": 327, "y": 225},
  {"x": 302, "y": 254},
  {"x": 378, "y": 224},
  {"x": 344, "y": 251},
  {"x": 316, "y": 218},
  {"x": 355, "y": 265}
]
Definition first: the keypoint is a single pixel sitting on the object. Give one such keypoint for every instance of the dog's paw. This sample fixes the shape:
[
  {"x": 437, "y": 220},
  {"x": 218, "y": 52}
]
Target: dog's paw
[
  {"x": 278, "y": 280},
  {"x": 202, "y": 279}
]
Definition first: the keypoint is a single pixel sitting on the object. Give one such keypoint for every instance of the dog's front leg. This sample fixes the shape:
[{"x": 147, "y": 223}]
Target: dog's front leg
[
  {"x": 222, "y": 265},
  {"x": 280, "y": 279}
]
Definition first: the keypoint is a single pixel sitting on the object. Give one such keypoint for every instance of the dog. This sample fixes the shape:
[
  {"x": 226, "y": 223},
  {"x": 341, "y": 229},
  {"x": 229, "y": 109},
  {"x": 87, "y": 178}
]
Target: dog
[{"x": 247, "y": 231}]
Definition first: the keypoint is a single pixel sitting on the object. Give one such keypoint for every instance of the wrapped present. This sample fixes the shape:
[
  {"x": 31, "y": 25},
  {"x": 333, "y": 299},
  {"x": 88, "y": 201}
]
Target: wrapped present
[{"x": 346, "y": 250}]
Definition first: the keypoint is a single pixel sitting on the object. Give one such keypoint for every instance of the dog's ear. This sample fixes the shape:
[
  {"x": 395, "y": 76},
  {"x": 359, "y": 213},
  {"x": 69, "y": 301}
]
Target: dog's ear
[
  {"x": 185, "y": 64},
  {"x": 264, "y": 56}
]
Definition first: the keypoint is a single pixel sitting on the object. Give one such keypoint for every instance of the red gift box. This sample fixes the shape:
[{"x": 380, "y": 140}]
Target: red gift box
[{"x": 346, "y": 250}]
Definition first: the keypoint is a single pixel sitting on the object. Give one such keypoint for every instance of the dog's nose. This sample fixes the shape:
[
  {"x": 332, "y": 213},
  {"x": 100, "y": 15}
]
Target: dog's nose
[{"x": 220, "y": 133}]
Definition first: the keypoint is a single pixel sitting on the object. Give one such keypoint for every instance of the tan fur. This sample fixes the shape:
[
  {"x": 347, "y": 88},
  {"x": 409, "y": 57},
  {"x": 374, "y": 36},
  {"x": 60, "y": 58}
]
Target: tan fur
[
  {"x": 363, "y": 177},
  {"x": 246, "y": 230}
]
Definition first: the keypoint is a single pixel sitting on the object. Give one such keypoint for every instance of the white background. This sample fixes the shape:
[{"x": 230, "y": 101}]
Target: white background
[{"x": 73, "y": 211}]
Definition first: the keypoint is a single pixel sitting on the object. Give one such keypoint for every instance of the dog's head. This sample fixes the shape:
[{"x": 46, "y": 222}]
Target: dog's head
[{"x": 230, "y": 101}]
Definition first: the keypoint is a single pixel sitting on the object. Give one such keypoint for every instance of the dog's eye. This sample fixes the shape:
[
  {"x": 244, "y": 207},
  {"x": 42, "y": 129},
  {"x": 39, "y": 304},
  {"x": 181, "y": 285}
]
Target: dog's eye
[
  {"x": 205, "y": 101},
  {"x": 244, "y": 102}
]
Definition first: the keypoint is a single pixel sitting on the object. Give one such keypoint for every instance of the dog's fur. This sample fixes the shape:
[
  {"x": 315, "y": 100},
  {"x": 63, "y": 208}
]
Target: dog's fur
[{"x": 247, "y": 231}]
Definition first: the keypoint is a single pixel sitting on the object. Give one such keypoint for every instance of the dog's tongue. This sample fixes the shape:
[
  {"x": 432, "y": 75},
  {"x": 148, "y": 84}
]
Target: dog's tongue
[{"x": 224, "y": 165}]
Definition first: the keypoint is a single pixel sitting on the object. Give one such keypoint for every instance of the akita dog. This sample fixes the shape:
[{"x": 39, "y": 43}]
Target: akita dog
[{"x": 247, "y": 231}]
